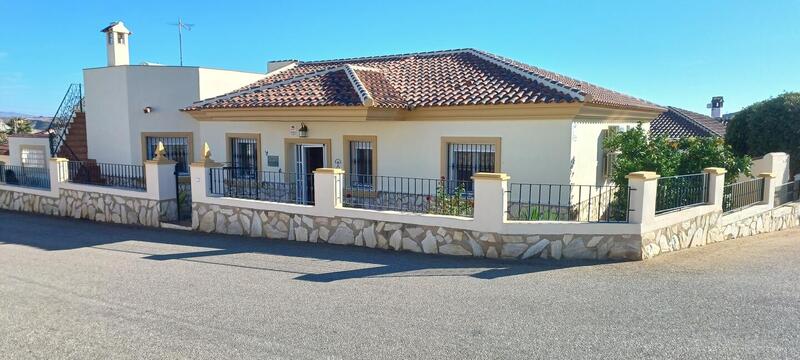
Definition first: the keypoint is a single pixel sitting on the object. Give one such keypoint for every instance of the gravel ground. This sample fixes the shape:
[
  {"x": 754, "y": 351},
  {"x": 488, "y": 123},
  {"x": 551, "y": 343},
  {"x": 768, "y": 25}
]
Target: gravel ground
[{"x": 76, "y": 289}]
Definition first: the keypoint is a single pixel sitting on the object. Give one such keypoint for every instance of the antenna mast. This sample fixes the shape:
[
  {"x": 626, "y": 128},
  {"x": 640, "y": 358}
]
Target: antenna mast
[{"x": 181, "y": 26}]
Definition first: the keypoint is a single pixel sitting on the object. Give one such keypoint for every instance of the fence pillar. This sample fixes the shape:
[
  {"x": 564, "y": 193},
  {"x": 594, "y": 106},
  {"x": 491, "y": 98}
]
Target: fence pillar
[
  {"x": 328, "y": 189},
  {"x": 199, "y": 177},
  {"x": 716, "y": 186},
  {"x": 491, "y": 201},
  {"x": 59, "y": 171},
  {"x": 643, "y": 185},
  {"x": 770, "y": 183},
  {"x": 160, "y": 177}
]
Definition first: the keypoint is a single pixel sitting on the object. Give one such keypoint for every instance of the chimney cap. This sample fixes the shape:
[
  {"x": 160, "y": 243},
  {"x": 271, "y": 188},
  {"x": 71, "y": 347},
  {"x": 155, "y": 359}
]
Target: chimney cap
[{"x": 117, "y": 27}]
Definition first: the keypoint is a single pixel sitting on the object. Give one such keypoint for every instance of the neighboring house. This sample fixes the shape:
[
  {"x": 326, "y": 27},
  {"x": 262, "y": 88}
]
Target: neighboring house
[
  {"x": 678, "y": 123},
  {"x": 427, "y": 115}
]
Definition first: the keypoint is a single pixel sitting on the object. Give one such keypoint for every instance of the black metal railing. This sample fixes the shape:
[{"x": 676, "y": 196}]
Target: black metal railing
[
  {"x": 417, "y": 195},
  {"x": 72, "y": 102},
  {"x": 678, "y": 192},
  {"x": 103, "y": 174},
  {"x": 551, "y": 202},
  {"x": 788, "y": 192},
  {"x": 34, "y": 177},
  {"x": 742, "y": 194},
  {"x": 247, "y": 183}
]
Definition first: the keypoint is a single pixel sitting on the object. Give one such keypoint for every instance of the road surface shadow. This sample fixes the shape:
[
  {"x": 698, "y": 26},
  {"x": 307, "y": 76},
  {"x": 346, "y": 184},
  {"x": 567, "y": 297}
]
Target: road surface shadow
[{"x": 58, "y": 234}]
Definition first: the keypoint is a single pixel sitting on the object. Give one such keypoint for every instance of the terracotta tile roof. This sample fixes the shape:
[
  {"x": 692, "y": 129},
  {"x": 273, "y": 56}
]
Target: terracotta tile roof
[
  {"x": 677, "y": 123},
  {"x": 3, "y": 149},
  {"x": 442, "y": 78}
]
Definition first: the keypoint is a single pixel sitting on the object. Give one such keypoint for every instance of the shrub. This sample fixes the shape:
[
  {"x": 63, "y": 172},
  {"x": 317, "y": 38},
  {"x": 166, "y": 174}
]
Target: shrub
[
  {"x": 640, "y": 152},
  {"x": 768, "y": 126}
]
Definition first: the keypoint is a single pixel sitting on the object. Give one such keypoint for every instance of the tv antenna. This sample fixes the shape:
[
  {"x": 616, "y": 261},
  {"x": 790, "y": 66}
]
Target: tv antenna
[{"x": 181, "y": 26}]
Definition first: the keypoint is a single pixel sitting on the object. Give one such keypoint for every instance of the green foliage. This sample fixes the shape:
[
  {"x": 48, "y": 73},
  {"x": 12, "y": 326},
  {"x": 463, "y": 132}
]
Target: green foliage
[
  {"x": 640, "y": 152},
  {"x": 768, "y": 126},
  {"x": 537, "y": 214},
  {"x": 18, "y": 126},
  {"x": 450, "y": 202}
]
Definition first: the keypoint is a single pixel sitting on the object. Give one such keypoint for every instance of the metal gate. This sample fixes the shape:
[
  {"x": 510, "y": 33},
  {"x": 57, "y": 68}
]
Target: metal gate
[{"x": 183, "y": 189}]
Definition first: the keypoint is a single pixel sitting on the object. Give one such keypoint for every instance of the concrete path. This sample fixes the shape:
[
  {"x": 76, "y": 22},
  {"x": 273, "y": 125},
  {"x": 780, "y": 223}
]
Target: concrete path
[{"x": 76, "y": 289}]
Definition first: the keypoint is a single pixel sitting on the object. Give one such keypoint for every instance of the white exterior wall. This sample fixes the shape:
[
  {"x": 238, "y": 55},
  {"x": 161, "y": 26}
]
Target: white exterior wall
[
  {"x": 106, "y": 105},
  {"x": 587, "y": 149},
  {"x": 116, "y": 98},
  {"x": 532, "y": 151}
]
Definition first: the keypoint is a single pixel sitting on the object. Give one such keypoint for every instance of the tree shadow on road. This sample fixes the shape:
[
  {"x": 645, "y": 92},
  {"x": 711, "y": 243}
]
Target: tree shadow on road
[{"x": 57, "y": 234}]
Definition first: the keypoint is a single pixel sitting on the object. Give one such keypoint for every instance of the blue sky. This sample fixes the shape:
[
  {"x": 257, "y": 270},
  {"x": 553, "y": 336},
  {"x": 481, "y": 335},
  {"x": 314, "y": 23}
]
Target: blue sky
[{"x": 674, "y": 52}]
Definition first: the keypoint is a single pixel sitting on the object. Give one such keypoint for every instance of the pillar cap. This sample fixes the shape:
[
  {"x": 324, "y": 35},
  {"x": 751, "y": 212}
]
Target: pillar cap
[
  {"x": 59, "y": 159},
  {"x": 768, "y": 175},
  {"x": 329, "y": 171},
  {"x": 715, "y": 170},
  {"x": 643, "y": 175},
  {"x": 490, "y": 176}
]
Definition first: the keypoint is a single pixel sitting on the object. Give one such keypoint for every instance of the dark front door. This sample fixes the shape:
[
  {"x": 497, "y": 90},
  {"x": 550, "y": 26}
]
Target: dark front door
[{"x": 314, "y": 157}]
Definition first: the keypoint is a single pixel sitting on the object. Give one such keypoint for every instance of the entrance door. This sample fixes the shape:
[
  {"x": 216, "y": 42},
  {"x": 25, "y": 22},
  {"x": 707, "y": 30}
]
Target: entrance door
[{"x": 308, "y": 157}]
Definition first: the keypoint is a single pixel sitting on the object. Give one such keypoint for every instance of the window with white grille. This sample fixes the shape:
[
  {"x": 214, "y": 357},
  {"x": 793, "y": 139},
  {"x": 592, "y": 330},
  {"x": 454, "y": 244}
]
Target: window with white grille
[{"x": 32, "y": 157}]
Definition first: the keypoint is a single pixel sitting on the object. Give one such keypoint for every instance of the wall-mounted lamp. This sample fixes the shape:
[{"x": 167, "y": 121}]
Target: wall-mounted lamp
[
  {"x": 147, "y": 110},
  {"x": 303, "y": 132}
]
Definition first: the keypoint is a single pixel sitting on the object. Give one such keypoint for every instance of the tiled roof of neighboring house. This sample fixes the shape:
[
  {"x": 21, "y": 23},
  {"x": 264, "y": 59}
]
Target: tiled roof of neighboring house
[
  {"x": 3, "y": 149},
  {"x": 677, "y": 123},
  {"x": 441, "y": 78}
]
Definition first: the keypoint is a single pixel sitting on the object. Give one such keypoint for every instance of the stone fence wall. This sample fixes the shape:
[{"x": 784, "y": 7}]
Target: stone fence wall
[
  {"x": 95, "y": 206},
  {"x": 240, "y": 220}
]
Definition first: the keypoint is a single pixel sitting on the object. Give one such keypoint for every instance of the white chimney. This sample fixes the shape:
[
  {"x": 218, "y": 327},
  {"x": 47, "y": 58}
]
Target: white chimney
[
  {"x": 716, "y": 107},
  {"x": 117, "y": 43},
  {"x": 279, "y": 64}
]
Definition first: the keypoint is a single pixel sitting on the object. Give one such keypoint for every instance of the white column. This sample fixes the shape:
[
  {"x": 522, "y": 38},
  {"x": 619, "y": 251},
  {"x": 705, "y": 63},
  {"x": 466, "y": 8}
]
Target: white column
[
  {"x": 770, "y": 183},
  {"x": 716, "y": 186},
  {"x": 199, "y": 175},
  {"x": 328, "y": 190},
  {"x": 160, "y": 177},
  {"x": 59, "y": 171},
  {"x": 491, "y": 200},
  {"x": 642, "y": 202}
]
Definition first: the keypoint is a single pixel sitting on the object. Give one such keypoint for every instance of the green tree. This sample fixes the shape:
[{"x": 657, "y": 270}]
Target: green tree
[
  {"x": 18, "y": 126},
  {"x": 640, "y": 152},
  {"x": 768, "y": 126}
]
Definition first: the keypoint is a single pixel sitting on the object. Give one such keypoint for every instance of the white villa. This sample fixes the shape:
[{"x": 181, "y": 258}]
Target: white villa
[
  {"x": 457, "y": 152},
  {"x": 428, "y": 115}
]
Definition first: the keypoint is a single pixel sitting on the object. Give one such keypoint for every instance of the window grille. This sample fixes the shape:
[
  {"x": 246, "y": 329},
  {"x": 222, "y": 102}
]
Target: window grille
[
  {"x": 177, "y": 150},
  {"x": 32, "y": 157},
  {"x": 361, "y": 155},
  {"x": 244, "y": 157},
  {"x": 464, "y": 160}
]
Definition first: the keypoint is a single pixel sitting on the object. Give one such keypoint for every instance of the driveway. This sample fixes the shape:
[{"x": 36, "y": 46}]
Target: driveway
[{"x": 76, "y": 289}]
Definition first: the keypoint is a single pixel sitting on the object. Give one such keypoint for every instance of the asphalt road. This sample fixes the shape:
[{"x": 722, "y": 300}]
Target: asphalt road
[{"x": 76, "y": 289}]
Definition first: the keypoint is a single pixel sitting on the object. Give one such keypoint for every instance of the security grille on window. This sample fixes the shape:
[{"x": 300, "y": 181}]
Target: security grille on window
[
  {"x": 464, "y": 160},
  {"x": 31, "y": 157},
  {"x": 361, "y": 164},
  {"x": 177, "y": 150},
  {"x": 244, "y": 157}
]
